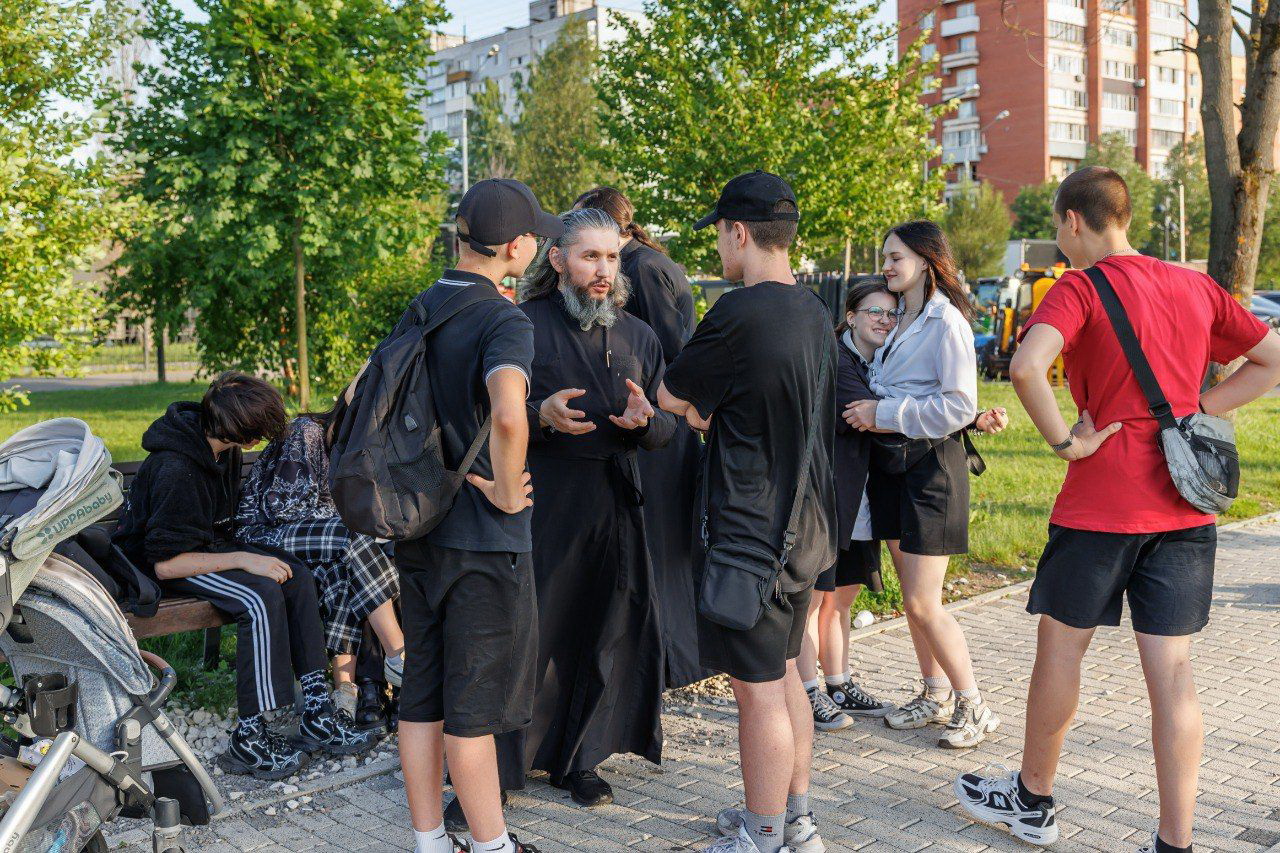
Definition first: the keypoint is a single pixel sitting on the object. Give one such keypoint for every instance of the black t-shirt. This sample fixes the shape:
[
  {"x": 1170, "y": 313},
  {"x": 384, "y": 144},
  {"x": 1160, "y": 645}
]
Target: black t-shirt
[
  {"x": 753, "y": 365},
  {"x": 462, "y": 354}
]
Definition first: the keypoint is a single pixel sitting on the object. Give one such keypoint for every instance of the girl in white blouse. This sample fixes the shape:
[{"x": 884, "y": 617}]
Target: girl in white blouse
[{"x": 926, "y": 375}]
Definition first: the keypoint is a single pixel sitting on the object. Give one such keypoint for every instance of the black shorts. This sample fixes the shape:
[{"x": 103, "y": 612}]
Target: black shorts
[
  {"x": 1168, "y": 577},
  {"x": 761, "y": 653},
  {"x": 859, "y": 563},
  {"x": 927, "y": 508},
  {"x": 470, "y": 637}
]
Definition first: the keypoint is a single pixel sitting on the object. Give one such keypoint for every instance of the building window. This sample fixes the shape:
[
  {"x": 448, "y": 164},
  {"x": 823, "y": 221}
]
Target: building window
[
  {"x": 1061, "y": 31},
  {"x": 455, "y": 123},
  {"x": 1167, "y": 107},
  {"x": 1067, "y": 131},
  {"x": 1117, "y": 70},
  {"x": 1164, "y": 74},
  {"x": 959, "y": 138},
  {"x": 1161, "y": 42},
  {"x": 967, "y": 109},
  {"x": 1075, "y": 4},
  {"x": 1165, "y": 138},
  {"x": 926, "y": 22},
  {"x": 966, "y": 77},
  {"x": 1066, "y": 63},
  {"x": 929, "y": 51},
  {"x": 929, "y": 85},
  {"x": 1118, "y": 101},
  {"x": 968, "y": 43},
  {"x": 965, "y": 10},
  {"x": 1194, "y": 79},
  {"x": 1059, "y": 168},
  {"x": 1117, "y": 7},
  {"x": 1168, "y": 11},
  {"x": 1130, "y": 134},
  {"x": 1073, "y": 98},
  {"x": 1191, "y": 125},
  {"x": 1119, "y": 36}
]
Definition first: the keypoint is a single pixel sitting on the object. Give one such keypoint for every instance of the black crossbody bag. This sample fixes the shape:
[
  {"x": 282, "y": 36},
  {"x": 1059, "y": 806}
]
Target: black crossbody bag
[
  {"x": 1200, "y": 449},
  {"x": 739, "y": 579}
]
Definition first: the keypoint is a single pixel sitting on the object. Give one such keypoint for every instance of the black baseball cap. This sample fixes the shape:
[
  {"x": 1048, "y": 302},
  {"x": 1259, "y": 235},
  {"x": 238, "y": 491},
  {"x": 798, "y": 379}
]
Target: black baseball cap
[
  {"x": 751, "y": 197},
  {"x": 498, "y": 210}
]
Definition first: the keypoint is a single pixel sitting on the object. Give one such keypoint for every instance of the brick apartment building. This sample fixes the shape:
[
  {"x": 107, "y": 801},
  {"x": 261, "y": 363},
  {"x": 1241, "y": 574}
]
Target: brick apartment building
[{"x": 1039, "y": 79}]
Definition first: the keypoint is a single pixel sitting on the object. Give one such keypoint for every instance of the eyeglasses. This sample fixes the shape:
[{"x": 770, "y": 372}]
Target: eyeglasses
[{"x": 878, "y": 313}]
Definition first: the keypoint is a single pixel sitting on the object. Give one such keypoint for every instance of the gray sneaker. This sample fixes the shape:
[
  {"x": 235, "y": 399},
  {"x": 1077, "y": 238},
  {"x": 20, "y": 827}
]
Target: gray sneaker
[
  {"x": 800, "y": 835},
  {"x": 969, "y": 725},
  {"x": 739, "y": 842},
  {"x": 393, "y": 670},
  {"x": 921, "y": 711}
]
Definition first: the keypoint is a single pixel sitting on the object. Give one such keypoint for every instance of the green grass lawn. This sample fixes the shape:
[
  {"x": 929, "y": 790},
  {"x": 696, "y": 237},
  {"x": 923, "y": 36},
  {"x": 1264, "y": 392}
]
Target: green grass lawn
[{"x": 1010, "y": 502}]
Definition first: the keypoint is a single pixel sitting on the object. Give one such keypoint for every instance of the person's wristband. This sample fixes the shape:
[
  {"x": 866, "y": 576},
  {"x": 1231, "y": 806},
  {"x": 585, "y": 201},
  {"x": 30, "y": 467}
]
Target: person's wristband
[{"x": 1063, "y": 445}]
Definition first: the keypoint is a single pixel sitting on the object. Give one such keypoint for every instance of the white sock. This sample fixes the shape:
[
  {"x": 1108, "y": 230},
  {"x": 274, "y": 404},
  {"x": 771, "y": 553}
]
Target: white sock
[
  {"x": 937, "y": 686},
  {"x": 501, "y": 844},
  {"x": 833, "y": 680},
  {"x": 434, "y": 840},
  {"x": 972, "y": 694},
  {"x": 811, "y": 685}
]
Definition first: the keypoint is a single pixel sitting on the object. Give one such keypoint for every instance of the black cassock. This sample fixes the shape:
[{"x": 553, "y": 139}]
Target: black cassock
[
  {"x": 600, "y": 659},
  {"x": 661, "y": 296}
]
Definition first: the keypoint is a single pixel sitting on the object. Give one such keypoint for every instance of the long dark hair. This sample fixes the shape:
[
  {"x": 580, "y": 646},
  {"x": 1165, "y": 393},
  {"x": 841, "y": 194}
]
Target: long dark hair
[
  {"x": 860, "y": 287},
  {"x": 925, "y": 238},
  {"x": 617, "y": 205}
]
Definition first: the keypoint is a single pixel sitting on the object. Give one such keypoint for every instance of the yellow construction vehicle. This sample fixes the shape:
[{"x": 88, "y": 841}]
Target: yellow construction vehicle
[{"x": 1010, "y": 315}]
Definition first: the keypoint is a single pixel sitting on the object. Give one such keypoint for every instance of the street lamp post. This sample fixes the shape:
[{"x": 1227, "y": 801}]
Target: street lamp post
[
  {"x": 466, "y": 113},
  {"x": 1000, "y": 116}
]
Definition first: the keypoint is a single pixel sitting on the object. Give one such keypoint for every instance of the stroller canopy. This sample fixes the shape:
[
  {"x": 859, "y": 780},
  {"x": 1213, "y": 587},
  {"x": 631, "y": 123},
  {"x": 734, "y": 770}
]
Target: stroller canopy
[{"x": 55, "y": 480}]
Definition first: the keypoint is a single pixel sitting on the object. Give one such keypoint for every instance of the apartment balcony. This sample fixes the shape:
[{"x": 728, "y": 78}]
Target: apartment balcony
[
  {"x": 964, "y": 153},
  {"x": 959, "y": 26},
  {"x": 1066, "y": 150},
  {"x": 959, "y": 59},
  {"x": 962, "y": 91}
]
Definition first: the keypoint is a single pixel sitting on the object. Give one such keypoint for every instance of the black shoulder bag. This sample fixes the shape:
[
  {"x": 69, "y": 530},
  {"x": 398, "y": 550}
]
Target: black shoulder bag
[
  {"x": 740, "y": 579},
  {"x": 1200, "y": 449}
]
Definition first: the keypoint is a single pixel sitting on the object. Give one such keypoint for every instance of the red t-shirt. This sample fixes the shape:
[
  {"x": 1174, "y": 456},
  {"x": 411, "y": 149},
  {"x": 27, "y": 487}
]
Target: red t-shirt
[{"x": 1183, "y": 320}]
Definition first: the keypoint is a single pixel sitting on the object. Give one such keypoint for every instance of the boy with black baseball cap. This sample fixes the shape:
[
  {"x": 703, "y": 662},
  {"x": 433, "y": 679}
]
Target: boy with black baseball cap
[
  {"x": 467, "y": 589},
  {"x": 768, "y": 490}
]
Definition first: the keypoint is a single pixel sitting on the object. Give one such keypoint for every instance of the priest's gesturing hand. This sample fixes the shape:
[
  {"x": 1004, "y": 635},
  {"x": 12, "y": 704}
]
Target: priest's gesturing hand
[
  {"x": 555, "y": 413},
  {"x": 638, "y": 410}
]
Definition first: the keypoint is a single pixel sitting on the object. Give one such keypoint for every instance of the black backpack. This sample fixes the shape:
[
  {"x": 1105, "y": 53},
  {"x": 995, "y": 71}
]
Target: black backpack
[{"x": 387, "y": 471}]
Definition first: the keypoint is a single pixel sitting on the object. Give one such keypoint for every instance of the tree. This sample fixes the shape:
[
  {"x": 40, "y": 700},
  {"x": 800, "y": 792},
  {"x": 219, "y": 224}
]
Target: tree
[
  {"x": 1238, "y": 139},
  {"x": 281, "y": 149},
  {"x": 492, "y": 140},
  {"x": 977, "y": 226},
  {"x": 707, "y": 90},
  {"x": 56, "y": 204},
  {"x": 1032, "y": 212},
  {"x": 560, "y": 120},
  {"x": 1114, "y": 151},
  {"x": 1185, "y": 166}
]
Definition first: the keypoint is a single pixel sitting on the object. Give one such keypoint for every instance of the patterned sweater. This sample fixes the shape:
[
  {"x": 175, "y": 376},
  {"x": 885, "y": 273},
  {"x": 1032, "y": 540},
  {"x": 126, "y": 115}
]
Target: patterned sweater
[{"x": 289, "y": 482}]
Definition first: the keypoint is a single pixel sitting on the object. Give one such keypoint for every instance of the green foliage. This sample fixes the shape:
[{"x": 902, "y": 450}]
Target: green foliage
[
  {"x": 1033, "y": 212},
  {"x": 560, "y": 120},
  {"x": 1268, "y": 277},
  {"x": 707, "y": 90},
  {"x": 977, "y": 226},
  {"x": 270, "y": 122},
  {"x": 1114, "y": 151},
  {"x": 1186, "y": 166},
  {"x": 56, "y": 203},
  {"x": 491, "y": 138}
]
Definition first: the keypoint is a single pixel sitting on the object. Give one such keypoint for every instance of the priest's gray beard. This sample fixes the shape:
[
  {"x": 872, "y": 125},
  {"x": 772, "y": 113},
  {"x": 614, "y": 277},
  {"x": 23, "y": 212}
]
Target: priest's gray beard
[{"x": 594, "y": 312}]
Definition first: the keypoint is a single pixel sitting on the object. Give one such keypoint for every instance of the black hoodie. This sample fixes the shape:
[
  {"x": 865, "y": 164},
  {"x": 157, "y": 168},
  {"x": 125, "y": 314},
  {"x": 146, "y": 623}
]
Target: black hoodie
[{"x": 183, "y": 498}]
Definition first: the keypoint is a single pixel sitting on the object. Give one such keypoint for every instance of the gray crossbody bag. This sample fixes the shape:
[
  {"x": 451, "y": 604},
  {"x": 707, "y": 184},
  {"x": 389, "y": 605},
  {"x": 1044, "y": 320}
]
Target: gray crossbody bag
[{"x": 1200, "y": 448}]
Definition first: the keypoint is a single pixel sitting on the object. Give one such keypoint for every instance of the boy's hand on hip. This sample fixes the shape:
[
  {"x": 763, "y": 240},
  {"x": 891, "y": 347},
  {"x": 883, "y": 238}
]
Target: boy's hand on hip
[
  {"x": 509, "y": 504},
  {"x": 1087, "y": 438}
]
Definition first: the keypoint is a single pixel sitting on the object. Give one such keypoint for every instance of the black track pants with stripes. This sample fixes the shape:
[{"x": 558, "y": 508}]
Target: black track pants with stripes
[{"x": 279, "y": 633}]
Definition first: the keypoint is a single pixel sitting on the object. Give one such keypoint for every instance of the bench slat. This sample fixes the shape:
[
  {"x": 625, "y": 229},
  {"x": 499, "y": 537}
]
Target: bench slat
[{"x": 177, "y": 615}]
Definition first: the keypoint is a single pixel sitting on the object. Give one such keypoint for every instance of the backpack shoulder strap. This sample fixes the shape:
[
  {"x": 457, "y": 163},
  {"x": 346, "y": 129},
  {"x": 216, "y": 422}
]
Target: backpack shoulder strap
[
  {"x": 1157, "y": 405},
  {"x": 797, "y": 503}
]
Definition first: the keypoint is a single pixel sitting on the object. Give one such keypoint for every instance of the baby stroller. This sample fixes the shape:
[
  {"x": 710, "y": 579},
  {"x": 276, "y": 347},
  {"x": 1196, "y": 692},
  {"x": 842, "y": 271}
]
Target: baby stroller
[{"x": 86, "y": 693}]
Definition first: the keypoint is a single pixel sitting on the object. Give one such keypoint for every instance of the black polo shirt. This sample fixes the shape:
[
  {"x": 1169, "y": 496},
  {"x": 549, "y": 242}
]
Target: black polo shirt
[{"x": 461, "y": 356}]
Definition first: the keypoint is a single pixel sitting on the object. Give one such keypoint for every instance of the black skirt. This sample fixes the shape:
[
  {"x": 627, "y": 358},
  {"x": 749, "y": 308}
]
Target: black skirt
[
  {"x": 925, "y": 507},
  {"x": 858, "y": 563}
]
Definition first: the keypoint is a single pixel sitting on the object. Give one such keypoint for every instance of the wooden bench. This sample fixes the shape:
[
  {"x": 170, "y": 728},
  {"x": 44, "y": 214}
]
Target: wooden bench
[{"x": 179, "y": 614}]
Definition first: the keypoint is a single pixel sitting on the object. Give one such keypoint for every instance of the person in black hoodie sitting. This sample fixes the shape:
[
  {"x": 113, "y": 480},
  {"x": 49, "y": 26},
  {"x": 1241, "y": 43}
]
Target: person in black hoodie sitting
[{"x": 177, "y": 527}]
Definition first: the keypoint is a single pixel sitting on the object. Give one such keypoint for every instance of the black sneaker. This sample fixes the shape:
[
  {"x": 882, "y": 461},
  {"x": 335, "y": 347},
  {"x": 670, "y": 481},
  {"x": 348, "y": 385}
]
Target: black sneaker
[
  {"x": 455, "y": 819},
  {"x": 586, "y": 787},
  {"x": 332, "y": 731},
  {"x": 995, "y": 801},
  {"x": 262, "y": 754},
  {"x": 852, "y": 699},
  {"x": 370, "y": 716}
]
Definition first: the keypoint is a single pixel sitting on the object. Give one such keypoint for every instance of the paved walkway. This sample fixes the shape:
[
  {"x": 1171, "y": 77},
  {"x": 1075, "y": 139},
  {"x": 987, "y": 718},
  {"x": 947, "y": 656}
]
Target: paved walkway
[
  {"x": 94, "y": 381},
  {"x": 877, "y": 789}
]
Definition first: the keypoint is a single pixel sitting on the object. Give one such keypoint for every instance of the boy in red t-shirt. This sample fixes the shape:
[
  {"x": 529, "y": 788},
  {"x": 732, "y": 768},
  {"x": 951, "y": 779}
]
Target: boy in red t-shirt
[{"x": 1119, "y": 526}]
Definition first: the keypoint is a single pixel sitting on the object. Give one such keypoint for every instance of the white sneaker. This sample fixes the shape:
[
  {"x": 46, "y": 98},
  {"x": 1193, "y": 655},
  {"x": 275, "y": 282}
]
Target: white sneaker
[
  {"x": 800, "y": 835},
  {"x": 921, "y": 711},
  {"x": 738, "y": 842},
  {"x": 827, "y": 716},
  {"x": 969, "y": 725},
  {"x": 994, "y": 800}
]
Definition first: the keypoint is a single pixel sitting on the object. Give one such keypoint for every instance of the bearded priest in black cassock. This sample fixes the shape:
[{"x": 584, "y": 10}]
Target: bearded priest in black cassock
[{"x": 596, "y": 372}]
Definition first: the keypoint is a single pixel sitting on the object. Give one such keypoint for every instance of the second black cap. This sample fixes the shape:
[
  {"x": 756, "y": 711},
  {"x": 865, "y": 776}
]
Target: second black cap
[
  {"x": 498, "y": 210},
  {"x": 752, "y": 197}
]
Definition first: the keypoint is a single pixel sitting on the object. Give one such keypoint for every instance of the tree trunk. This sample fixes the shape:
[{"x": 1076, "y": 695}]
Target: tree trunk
[
  {"x": 300, "y": 307},
  {"x": 162, "y": 338}
]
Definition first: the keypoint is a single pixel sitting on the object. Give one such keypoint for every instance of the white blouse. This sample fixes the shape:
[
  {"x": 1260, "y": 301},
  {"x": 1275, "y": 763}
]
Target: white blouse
[{"x": 928, "y": 377}]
